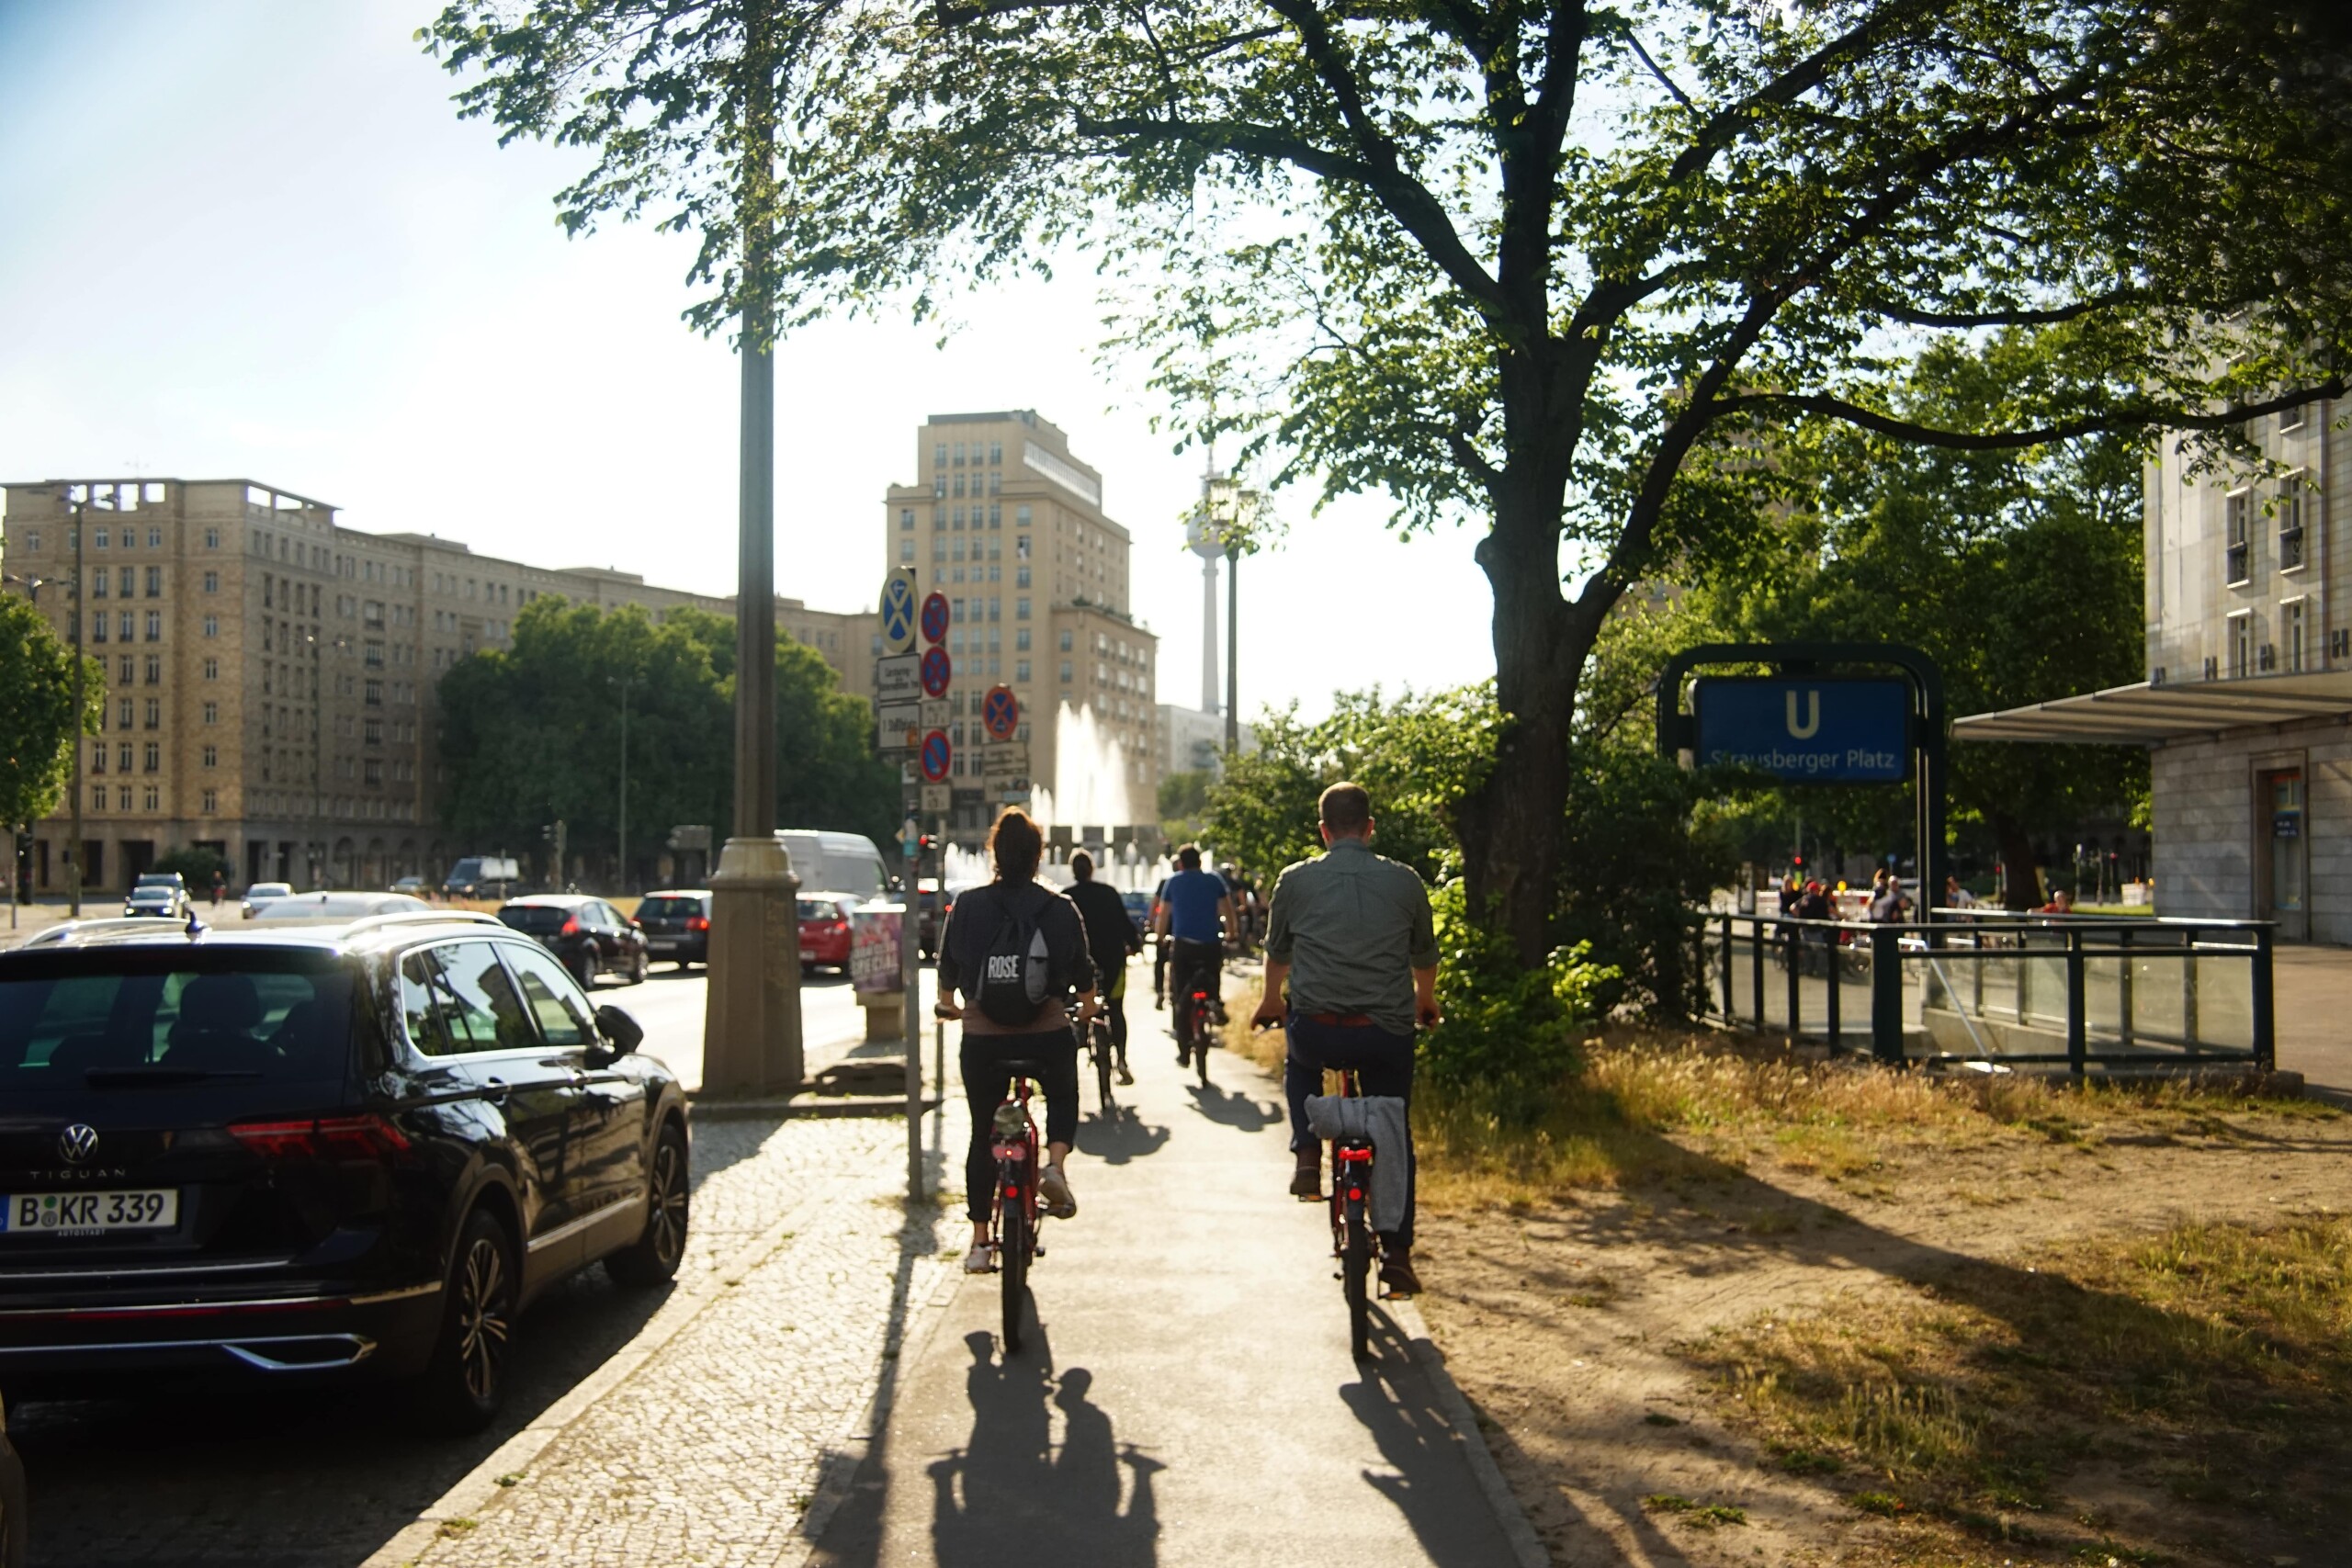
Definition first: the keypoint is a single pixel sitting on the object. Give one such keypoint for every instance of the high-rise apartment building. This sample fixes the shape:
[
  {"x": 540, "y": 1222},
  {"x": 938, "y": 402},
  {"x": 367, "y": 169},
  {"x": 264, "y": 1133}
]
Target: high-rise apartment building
[
  {"x": 271, "y": 673},
  {"x": 1006, "y": 523}
]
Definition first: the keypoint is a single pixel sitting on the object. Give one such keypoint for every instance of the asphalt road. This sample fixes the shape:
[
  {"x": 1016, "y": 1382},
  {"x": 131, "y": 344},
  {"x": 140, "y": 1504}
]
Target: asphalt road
[{"x": 669, "y": 1004}]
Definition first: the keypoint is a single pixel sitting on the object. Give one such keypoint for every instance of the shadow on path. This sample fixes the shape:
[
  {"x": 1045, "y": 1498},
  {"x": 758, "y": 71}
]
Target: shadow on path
[
  {"x": 1123, "y": 1135},
  {"x": 1223, "y": 1106}
]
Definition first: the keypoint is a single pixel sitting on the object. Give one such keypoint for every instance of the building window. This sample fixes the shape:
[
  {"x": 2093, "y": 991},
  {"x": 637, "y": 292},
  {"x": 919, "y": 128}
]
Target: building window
[
  {"x": 212, "y": 628},
  {"x": 2237, "y": 512},
  {"x": 374, "y": 773},
  {"x": 1021, "y": 517},
  {"x": 212, "y": 538},
  {"x": 939, "y": 456},
  {"x": 154, "y": 538},
  {"x": 938, "y": 486},
  {"x": 2241, "y": 644},
  {"x": 906, "y": 520},
  {"x": 151, "y": 798},
  {"x": 1020, "y": 669},
  {"x": 1021, "y": 609},
  {"x": 211, "y": 803},
  {"x": 212, "y": 670},
  {"x": 1020, "y": 577},
  {"x": 212, "y": 583},
  {"x": 906, "y": 550},
  {"x": 32, "y": 539},
  {"x": 155, "y": 583},
  {"x": 939, "y": 546},
  {"x": 152, "y": 758},
  {"x": 98, "y": 758},
  {"x": 98, "y": 539},
  {"x": 154, "y": 625},
  {"x": 2294, "y": 633},
  {"x": 154, "y": 713},
  {"x": 996, "y": 454},
  {"x": 2290, "y": 524},
  {"x": 211, "y": 756},
  {"x": 129, "y": 573},
  {"x": 1066, "y": 641},
  {"x": 1065, "y": 672}
]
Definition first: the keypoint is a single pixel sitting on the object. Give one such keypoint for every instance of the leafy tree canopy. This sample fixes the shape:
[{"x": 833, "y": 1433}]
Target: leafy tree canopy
[
  {"x": 1549, "y": 266},
  {"x": 38, "y": 724},
  {"x": 532, "y": 732}
]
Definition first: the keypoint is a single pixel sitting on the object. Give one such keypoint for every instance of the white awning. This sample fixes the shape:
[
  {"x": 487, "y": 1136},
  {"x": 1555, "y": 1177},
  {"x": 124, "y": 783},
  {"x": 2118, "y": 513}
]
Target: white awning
[{"x": 2147, "y": 715}]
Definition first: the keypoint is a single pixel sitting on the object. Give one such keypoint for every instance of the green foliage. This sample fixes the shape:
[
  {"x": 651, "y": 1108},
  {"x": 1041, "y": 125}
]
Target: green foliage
[
  {"x": 196, "y": 864},
  {"x": 1183, "y": 801},
  {"x": 1417, "y": 755},
  {"x": 533, "y": 732},
  {"x": 1509, "y": 1032},
  {"x": 38, "y": 724},
  {"x": 1638, "y": 856}
]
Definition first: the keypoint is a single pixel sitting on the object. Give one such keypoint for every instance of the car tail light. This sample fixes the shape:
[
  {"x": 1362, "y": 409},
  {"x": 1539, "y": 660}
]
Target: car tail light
[
  {"x": 835, "y": 928},
  {"x": 570, "y": 928},
  {"x": 698, "y": 922},
  {"x": 321, "y": 1138}
]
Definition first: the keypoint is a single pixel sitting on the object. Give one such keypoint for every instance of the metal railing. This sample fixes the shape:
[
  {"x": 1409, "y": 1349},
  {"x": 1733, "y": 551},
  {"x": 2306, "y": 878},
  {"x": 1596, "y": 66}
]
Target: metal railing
[{"x": 2020, "y": 989}]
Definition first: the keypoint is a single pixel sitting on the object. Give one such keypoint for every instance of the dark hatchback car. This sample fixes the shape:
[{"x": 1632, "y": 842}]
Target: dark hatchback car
[
  {"x": 590, "y": 936},
  {"x": 315, "y": 1155},
  {"x": 677, "y": 923}
]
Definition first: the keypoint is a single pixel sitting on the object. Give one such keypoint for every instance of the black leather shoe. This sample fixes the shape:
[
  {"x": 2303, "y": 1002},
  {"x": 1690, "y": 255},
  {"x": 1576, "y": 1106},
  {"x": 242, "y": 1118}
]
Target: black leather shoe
[{"x": 1306, "y": 1181}]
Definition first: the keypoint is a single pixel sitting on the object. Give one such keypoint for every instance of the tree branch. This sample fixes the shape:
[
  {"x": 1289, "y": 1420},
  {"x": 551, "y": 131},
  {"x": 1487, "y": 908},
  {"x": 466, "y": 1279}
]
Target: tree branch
[
  {"x": 2052, "y": 315},
  {"x": 2129, "y": 417},
  {"x": 1663, "y": 79}
]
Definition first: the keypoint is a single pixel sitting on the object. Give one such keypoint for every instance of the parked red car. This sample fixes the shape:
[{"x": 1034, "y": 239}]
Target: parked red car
[{"x": 824, "y": 929}]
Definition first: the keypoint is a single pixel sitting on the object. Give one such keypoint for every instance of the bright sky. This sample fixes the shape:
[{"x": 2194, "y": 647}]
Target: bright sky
[{"x": 250, "y": 238}]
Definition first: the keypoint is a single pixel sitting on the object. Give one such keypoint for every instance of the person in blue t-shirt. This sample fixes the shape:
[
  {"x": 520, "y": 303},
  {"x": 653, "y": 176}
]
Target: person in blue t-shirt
[{"x": 1196, "y": 915}]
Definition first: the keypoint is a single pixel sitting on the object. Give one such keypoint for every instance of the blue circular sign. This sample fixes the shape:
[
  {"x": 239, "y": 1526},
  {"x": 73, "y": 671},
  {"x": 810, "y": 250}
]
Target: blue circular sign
[
  {"x": 936, "y": 755},
  {"x": 1000, "y": 711},
  {"x": 936, "y": 670},
  {"x": 935, "y": 618}
]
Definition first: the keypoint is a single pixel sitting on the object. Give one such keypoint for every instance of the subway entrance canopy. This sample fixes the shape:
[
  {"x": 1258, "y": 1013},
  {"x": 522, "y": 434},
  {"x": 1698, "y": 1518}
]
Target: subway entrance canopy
[{"x": 2151, "y": 713}]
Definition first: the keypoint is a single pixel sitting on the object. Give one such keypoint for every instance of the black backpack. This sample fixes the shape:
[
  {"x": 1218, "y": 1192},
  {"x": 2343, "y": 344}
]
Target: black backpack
[{"x": 1017, "y": 971}]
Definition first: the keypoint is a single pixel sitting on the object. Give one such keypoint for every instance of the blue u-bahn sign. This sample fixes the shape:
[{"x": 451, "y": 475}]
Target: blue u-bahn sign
[{"x": 1806, "y": 729}]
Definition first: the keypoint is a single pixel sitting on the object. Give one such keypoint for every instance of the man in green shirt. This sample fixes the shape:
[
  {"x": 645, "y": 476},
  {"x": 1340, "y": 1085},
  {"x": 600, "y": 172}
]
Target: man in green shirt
[{"x": 1351, "y": 933}]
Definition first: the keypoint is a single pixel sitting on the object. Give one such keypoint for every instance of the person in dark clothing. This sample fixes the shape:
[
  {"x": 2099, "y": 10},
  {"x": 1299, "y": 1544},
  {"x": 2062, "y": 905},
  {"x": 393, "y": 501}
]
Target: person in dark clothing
[
  {"x": 1110, "y": 939},
  {"x": 1196, "y": 916},
  {"x": 973, "y": 925}
]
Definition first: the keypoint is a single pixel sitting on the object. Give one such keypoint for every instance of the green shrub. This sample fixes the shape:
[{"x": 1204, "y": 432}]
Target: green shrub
[
  {"x": 1510, "y": 1033},
  {"x": 196, "y": 864}
]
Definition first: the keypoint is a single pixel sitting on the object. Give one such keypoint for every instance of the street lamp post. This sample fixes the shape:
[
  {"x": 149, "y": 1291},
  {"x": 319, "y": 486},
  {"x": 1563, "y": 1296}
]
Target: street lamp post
[{"x": 752, "y": 1022}]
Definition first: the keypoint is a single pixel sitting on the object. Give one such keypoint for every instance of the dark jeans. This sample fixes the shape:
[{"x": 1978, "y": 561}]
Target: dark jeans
[
  {"x": 1192, "y": 962},
  {"x": 986, "y": 1083},
  {"x": 1115, "y": 1009},
  {"x": 1383, "y": 1065}
]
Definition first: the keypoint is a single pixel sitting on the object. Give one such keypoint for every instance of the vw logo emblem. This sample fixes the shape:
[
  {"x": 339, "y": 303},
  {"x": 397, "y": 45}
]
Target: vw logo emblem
[{"x": 78, "y": 1143}]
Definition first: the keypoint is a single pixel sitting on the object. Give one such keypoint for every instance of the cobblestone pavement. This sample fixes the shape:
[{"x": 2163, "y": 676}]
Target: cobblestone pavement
[
  {"x": 713, "y": 1451},
  {"x": 325, "y": 1482}
]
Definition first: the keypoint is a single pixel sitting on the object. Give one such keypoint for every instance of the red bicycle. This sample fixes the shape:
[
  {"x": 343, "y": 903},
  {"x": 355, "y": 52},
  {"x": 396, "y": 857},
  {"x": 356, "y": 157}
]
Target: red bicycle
[
  {"x": 1354, "y": 1241},
  {"x": 1013, "y": 1139}
]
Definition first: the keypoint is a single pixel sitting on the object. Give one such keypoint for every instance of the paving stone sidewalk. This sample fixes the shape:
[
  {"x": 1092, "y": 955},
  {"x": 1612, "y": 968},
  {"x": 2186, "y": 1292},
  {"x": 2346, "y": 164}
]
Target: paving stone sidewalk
[{"x": 713, "y": 1451}]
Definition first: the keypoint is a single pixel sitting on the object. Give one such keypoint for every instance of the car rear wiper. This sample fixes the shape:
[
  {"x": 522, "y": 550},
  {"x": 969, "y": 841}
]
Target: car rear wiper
[{"x": 128, "y": 1077}]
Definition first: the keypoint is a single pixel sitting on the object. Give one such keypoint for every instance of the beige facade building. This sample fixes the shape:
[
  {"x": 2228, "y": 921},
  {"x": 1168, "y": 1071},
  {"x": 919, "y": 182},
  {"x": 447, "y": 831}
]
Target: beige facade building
[
  {"x": 1009, "y": 525},
  {"x": 271, "y": 673},
  {"x": 2248, "y": 706}
]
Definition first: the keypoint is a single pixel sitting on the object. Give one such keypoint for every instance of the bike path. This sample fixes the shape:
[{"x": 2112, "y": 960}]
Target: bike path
[{"x": 1186, "y": 1396}]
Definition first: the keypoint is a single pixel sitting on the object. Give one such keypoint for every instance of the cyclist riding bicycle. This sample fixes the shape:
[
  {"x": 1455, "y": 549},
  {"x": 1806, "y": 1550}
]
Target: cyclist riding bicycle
[
  {"x": 1110, "y": 939},
  {"x": 1196, "y": 914},
  {"x": 1350, "y": 932},
  {"x": 1012, "y": 927}
]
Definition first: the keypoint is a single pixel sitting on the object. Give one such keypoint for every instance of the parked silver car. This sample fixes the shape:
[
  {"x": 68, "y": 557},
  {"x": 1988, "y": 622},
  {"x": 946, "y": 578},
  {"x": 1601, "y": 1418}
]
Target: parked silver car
[{"x": 263, "y": 894}]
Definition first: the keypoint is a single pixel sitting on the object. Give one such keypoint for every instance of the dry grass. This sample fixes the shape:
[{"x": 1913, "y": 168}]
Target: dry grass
[{"x": 2204, "y": 1370}]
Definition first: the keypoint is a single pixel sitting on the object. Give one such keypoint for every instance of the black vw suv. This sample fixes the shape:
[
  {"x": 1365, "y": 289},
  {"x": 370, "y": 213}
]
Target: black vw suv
[{"x": 316, "y": 1153}]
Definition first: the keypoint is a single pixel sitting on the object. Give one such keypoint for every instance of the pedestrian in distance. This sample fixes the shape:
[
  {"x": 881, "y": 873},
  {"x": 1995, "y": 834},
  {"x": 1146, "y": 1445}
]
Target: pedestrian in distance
[
  {"x": 1350, "y": 971},
  {"x": 1196, "y": 916},
  {"x": 1110, "y": 940},
  {"x": 996, "y": 935}
]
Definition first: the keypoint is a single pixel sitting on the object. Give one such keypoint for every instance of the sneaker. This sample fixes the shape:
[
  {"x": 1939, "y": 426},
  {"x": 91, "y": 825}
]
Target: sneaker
[
  {"x": 1306, "y": 1181},
  {"x": 1125, "y": 1077},
  {"x": 1054, "y": 1188},
  {"x": 1396, "y": 1277},
  {"x": 981, "y": 1259}
]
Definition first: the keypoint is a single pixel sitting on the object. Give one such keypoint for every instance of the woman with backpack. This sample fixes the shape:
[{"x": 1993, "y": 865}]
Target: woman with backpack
[{"x": 1015, "y": 949}]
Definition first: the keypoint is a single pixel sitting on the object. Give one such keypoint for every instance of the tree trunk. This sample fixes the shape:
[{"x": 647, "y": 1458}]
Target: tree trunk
[
  {"x": 2021, "y": 878},
  {"x": 1511, "y": 825}
]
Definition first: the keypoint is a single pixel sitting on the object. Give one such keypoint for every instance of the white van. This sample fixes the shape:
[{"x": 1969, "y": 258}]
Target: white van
[{"x": 835, "y": 862}]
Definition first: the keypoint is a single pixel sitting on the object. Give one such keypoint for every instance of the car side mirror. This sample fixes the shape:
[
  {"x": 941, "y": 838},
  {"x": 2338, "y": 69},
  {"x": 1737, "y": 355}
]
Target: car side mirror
[{"x": 622, "y": 1031}]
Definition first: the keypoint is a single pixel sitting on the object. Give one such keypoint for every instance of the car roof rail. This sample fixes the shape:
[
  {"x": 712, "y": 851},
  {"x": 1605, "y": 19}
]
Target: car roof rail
[{"x": 423, "y": 916}]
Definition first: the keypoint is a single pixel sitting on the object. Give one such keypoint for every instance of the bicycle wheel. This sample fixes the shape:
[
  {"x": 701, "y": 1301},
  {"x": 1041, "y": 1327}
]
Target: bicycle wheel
[
  {"x": 1355, "y": 1274},
  {"x": 1100, "y": 1045},
  {"x": 1012, "y": 1267}
]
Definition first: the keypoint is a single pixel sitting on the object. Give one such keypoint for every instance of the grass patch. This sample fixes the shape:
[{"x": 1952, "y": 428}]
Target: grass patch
[
  {"x": 1706, "y": 1516},
  {"x": 2208, "y": 1366}
]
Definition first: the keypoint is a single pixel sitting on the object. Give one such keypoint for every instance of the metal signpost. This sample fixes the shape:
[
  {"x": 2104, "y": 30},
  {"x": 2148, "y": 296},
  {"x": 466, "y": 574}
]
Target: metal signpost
[
  {"x": 938, "y": 671},
  {"x": 1815, "y": 721},
  {"x": 924, "y": 712},
  {"x": 1001, "y": 712},
  {"x": 899, "y": 610}
]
